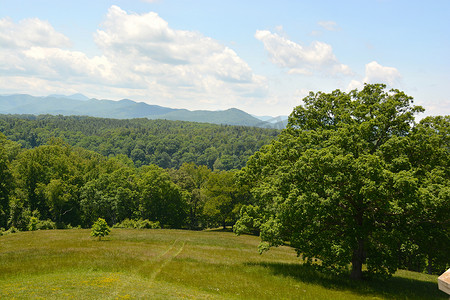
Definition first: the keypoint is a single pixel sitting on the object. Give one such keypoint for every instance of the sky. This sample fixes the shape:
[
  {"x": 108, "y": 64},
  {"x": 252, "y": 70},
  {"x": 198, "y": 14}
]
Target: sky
[{"x": 261, "y": 56}]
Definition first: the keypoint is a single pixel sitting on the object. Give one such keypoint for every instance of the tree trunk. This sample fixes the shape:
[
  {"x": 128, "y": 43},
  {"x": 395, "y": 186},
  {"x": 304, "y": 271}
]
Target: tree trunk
[{"x": 357, "y": 261}]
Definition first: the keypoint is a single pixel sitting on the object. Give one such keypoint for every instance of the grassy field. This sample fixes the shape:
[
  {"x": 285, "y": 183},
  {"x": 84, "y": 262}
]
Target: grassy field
[{"x": 174, "y": 264}]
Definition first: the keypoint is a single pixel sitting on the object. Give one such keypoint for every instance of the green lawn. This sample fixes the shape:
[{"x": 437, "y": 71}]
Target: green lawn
[{"x": 173, "y": 264}]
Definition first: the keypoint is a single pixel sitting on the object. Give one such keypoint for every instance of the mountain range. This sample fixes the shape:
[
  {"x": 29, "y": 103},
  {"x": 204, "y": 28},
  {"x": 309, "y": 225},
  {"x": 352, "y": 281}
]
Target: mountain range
[{"x": 79, "y": 104}]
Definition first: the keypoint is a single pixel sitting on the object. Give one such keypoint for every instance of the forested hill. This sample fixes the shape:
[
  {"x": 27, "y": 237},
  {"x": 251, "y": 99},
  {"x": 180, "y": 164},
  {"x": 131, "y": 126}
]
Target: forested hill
[
  {"x": 165, "y": 143},
  {"x": 124, "y": 109}
]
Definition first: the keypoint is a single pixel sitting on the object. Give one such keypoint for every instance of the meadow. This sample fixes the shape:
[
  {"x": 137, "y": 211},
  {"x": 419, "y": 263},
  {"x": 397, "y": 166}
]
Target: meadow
[{"x": 174, "y": 264}]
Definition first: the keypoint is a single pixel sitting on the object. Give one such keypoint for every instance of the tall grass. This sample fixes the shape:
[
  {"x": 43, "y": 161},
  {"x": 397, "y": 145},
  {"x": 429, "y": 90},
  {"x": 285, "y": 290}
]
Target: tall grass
[{"x": 173, "y": 264}]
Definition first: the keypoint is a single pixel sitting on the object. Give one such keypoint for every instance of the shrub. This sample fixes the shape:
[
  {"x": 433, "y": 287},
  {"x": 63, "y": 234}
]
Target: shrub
[
  {"x": 141, "y": 224},
  {"x": 12, "y": 229},
  {"x": 100, "y": 228},
  {"x": 32, "y": 225},
  {"x": 45, "y": 224},
  {"x": 127, "y": 223},
  {"x": 138, "y": 224}
]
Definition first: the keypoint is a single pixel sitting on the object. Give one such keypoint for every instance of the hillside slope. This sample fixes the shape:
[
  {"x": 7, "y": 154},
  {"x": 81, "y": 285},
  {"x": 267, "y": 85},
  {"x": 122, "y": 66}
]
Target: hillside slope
[
  {"x": 124, "y": 109},
  {"x": 177, "y": 264}
]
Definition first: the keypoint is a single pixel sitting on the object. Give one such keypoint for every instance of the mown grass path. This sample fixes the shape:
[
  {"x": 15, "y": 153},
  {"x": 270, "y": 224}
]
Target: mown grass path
[
  {"x": 176, "y": 264},
  {"x": 166, "y": 257}
]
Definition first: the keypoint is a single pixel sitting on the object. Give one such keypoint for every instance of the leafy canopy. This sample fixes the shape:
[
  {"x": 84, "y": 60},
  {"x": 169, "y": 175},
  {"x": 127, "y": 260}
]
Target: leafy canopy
[{"x": 342, "y": 183}]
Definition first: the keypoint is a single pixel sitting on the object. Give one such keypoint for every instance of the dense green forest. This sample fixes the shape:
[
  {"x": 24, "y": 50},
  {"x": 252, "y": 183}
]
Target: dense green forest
[
  {"x": 56, "y": 186},
  {"x": 62, "y": 171},
  {"x": 167, "y": 144}
]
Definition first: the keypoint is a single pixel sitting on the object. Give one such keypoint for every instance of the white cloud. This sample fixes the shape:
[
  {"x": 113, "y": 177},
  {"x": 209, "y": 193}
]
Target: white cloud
[
  {"x": 355, "y": 84},
  {"x": 72, "y": 65},
  {"x": 32, "y": 47},
  {"x": 30, "y": 32},
  {"x": 176, "y": 58},
  {"x": 140, "y": 56},
  {"x": 316, "y": 58},
  {"x": 149, "y": 40},
  {"x": 376, "y": 73},
  {"x": 329, "y": 25}
]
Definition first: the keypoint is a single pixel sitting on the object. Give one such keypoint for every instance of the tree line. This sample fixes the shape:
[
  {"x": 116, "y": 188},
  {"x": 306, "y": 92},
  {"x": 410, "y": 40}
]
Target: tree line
[
  {"x": 167, "y": 144},
  {"x": 69, "y": 186}
]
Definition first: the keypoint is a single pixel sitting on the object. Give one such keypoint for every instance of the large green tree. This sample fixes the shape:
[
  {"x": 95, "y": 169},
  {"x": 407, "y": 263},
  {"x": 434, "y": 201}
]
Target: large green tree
[
  {"x": 345, "y": 182},
  {"x": 192, "y": 180},
  {"x": 159, "y": 198},
  {"x": 48, "y": 179},
  {"x": 224, "y": 198},
  {"x": 112, "y": 194}
]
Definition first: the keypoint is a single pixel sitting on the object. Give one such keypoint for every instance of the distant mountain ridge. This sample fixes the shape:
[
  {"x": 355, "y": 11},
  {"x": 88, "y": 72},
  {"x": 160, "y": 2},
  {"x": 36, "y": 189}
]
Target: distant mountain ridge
[
  {"x": 81, "y": 105},
  {"x": 77, "y": 96}
]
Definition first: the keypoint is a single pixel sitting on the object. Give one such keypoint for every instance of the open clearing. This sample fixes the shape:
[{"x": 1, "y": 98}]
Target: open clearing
[{"x": 173, "y": 264}]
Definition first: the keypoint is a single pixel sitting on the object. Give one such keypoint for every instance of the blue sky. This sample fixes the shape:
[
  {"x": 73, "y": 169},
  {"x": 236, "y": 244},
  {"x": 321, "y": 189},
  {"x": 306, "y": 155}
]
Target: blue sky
[{"x": 259, "y": 56}]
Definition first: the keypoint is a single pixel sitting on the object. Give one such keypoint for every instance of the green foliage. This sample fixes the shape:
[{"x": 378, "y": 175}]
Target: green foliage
[
  {"x": 167, "y": 144},
  {"x": 100, "y": 228},
  {"x": 32, "y": 226},
  {"x": 45, "y": 224},
  {"x": 12, "y": 229},
  {"x": 353, "y": 181},
  {"x": 224, "y": 197},
  {"x": 48, "y": 179},
  {"x": 111, "y": 194},
  {"x": 36, "y": 224},
  {"x": 20, "y": 214},
  {"x": 159, "y": 198},
  {"x": 430, "y": 160},
  {"x": 249, "y": 220},
  {"x": 138, "y": 224},
  {"x": 6, "y": 181},
  {"x": 192, "y": 180},
  {"x": 72, "y": 187}
]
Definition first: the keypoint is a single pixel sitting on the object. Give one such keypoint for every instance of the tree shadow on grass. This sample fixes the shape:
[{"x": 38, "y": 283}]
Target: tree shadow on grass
[{"x": 393, "y": 288}]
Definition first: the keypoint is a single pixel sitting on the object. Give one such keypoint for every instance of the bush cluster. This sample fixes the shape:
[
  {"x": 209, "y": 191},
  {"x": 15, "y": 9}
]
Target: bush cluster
[{"x": 138, "y": 224}]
